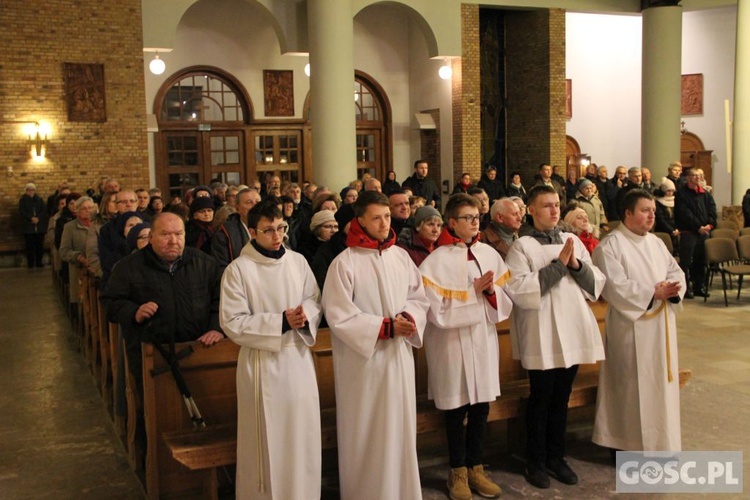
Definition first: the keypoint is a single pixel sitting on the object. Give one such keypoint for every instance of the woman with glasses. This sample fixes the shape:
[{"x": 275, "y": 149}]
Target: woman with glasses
[
  {"x": 73, "y": 243},
  {"x": 322, "y": 227}
]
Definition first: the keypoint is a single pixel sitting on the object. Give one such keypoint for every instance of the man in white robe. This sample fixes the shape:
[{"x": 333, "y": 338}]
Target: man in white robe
[
  {"x": 375, "y": 305},
  {"x": 638, "y": 401},
  {"x": 463, "y": 279},
  {"x": 553, "y": 329},
  {"x": 278, "y": 409}
]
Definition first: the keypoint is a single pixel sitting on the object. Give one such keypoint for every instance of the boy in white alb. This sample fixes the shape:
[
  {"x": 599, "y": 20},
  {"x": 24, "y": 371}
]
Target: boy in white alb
[{"x": 553, "y": 329}]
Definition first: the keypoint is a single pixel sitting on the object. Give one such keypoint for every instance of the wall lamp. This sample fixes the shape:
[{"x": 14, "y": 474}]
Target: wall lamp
[
  {"x": 37, "y": 135},
  {"x": 446, "y": 71}
]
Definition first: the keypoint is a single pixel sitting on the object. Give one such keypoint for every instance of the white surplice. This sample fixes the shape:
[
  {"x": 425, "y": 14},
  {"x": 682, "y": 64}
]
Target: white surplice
[
  {"x": 277, "y": 392},
  {"x": 557, "y": 329},
  {"x": 375, "y": 384},
  {"x": 460, "y": 339},
  {"x": 637, "y": 407}
]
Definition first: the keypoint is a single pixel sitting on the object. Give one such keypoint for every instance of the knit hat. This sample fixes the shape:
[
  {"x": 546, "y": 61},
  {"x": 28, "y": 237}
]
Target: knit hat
[
  {"x": 424, "y": 213},
  {"x": 666, "y": 185},
  {"x": 584, "y": 183},
  {"x": 344, "y": 215},
  {"x": 321, "y": 218},
  {"x": 203, "y": 188},
  {"x": 31, "y": 185},
  {"x": 200, "y": 204}
]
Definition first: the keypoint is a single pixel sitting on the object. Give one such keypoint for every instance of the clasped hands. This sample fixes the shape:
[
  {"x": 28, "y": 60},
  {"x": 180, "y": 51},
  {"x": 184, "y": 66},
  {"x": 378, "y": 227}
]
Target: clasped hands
[{"x": 664, "y": 290}]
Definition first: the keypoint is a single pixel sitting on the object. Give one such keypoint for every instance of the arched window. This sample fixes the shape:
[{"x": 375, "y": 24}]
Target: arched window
[{"x": 203, "y": 115}]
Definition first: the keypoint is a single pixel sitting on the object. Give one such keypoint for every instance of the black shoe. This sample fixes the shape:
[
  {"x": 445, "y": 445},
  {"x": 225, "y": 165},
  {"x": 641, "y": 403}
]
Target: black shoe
[
  {"x": 537, "y": 476},
  {"x": 689, "y": 294},
  {"x": 701, "y": 292},
  {"x": 560, "y": 470}
]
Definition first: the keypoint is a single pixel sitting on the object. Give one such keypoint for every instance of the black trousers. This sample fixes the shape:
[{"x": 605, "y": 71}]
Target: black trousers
[
  {"x": 693, "y": 257},
  {"x": 465, "y": 447},
  {"x": 34, "y": 249},
  {"x": 547, "y": 413}
]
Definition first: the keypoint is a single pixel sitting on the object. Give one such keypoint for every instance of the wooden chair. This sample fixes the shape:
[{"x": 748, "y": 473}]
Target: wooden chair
[
  {"x": 727, "y": 224},
  {"x": 725, "y": 233},
  {"x": 721, "y": 253},
  {"x": 667, "y": 239}
]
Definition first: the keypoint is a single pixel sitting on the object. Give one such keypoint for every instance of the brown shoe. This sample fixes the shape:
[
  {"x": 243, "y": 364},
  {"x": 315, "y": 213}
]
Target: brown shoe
[
  {"x": 481, "y": 482},
  {"x": 458, "y": 484}
]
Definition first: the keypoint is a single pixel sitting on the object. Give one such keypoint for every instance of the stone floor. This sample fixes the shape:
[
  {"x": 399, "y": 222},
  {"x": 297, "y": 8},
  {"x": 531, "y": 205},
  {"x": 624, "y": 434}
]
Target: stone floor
[{"x": 57, "y": 441}]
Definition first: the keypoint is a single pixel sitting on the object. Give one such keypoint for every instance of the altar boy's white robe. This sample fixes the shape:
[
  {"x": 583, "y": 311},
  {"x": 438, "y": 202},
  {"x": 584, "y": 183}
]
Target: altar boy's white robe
[
  {"x": 277, "y": 392},
  {"x": 557, "y": 329},
  {"x": 375, "y": 383},
  {"x": 637, "y": 407},
  {"x": 460, "y": 340}
]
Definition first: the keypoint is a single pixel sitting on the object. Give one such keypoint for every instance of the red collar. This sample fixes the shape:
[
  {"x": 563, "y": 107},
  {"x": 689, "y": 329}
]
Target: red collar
[
  {"x": 698, "y": 189},
  {"x": 447, "y": 237},
  {"x": 357, "y": 237}
]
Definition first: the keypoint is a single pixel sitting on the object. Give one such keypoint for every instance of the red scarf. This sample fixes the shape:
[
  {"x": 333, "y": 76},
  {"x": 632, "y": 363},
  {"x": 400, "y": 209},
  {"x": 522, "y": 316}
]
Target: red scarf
[
  {"x": 447, "y": 237},
  {"x": 357, "y": 237}
]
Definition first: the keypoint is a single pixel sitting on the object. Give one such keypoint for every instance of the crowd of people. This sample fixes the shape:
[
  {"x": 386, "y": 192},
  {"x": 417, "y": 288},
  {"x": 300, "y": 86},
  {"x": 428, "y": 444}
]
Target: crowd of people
[{"x": 387, "y": 271}]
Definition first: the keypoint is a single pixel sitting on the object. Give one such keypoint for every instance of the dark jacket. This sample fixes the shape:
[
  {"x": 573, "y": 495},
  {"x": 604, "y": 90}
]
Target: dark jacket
[
  {"x": 425, "y": 188},
  {"x": 325, "y": 255},
  {"x": 112, "y": 247},
  {"x": 516, "y": 191},
  {"x": 413, "y": 245},
  {"x": 228, "y": 240},
  {"x": 32, "y": 206},
  {"x": 187, "y": 296},
  {"x": 692, "y": 210},
  {"x": 494, "y": 189},
  {"x": 664, "y": 217},
  {"x": 198, "y": 234},
  {"x": 388, "y": 187}
]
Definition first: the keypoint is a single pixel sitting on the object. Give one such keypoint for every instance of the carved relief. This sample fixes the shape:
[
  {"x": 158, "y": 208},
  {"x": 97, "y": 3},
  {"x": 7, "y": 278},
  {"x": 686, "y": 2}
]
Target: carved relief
[
  {"x": 692, "y": 94},
  {"x": 278, "y": 91},
  {"x": 84, "y": 92}
]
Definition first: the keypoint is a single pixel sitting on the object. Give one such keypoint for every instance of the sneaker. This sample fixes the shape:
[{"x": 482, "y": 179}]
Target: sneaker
[
  {"x": 537, "y": 476},
  {"x": 481, "y": 482},
  {"x": 560, "y": 470},
  {"x": 458, "y": 484}
]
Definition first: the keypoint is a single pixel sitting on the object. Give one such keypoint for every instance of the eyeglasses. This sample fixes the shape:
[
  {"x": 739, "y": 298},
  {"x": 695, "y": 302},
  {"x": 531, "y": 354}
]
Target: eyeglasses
[
  {"x": 126, "y": 201},
  {"x": 469, "y": 218},
  {"x": 144, "y": 237},
  {"x": 282, "y": 229},
  {"x": 330, "y": 226}
]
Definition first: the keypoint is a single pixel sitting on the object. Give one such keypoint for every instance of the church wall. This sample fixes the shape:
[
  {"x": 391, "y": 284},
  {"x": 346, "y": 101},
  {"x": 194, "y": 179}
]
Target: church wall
[{"x": 36, "y": 38}]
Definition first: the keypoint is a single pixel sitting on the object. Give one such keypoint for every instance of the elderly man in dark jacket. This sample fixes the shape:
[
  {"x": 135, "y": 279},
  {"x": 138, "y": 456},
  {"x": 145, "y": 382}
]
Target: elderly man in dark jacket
[
  {"x": 34, "y": 224},
  {"x": 232, "y": 235},
  {"x": 164, "y": 293},
  {"x": 695, "y": 217}
]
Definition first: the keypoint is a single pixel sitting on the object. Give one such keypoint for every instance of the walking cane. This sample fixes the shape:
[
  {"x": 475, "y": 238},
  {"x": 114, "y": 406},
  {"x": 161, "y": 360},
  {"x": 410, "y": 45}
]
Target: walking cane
[{"x": 174, "y": 367}]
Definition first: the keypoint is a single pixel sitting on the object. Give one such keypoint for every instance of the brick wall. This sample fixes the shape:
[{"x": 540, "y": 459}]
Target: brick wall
[
  {"x": 535, "y": 79},
  {"x": 467, "y": 137},
  {"x": 36, "y": 38}
]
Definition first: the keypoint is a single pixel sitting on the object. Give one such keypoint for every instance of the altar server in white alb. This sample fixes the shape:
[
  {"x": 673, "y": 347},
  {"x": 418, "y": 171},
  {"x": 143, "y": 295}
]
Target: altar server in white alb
[
  {"x": 463, "y": 281},
  {"x": 269, "y": 306},
  {"x": 552, "y": 328},
  {"x": 375, "y": 306},
  {"x": 638, "y": 401}
]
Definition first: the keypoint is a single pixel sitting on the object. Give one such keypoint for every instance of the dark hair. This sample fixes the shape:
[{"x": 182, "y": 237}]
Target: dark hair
[
  {"x": 320, "y": 199},
  {"x": 542, "y": 165},
  {"x": 266, "y": 209},
  {"x": 537, "y": 191},
  {"x": 630, "y": 200},
  {"x": 457, "y": 201},
  {"x": 286, "y": 199},
  {"x": 397, "y": 191},
  {"x": 474, "y": 190},
  {"x": 368, "y": 198},
  {"x": 418, "y": 162},
  {"x": 514, "y": 173}
]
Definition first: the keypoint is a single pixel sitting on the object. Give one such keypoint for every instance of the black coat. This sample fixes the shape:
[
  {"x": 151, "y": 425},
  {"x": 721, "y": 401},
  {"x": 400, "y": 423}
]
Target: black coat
[
  {"x": 32, "y": 206},
  {"x": 693, "y": 210},
  {"x": 494, "y": 189},
  {"x": 425, "y": 188},
  {"x": 325, "y": 255},
  {"x": 228, "y": 240}
]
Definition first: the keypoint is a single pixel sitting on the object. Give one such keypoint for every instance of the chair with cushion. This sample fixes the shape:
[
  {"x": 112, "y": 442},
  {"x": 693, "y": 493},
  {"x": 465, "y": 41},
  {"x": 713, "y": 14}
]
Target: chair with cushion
[
  {"x": 743, "y": 248},
  {"x": 727, "y": 224},
  {"x": 721, "y": 256},
  {"x": 667, "y": 239},
  {"x": 725, "y": 233}
]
